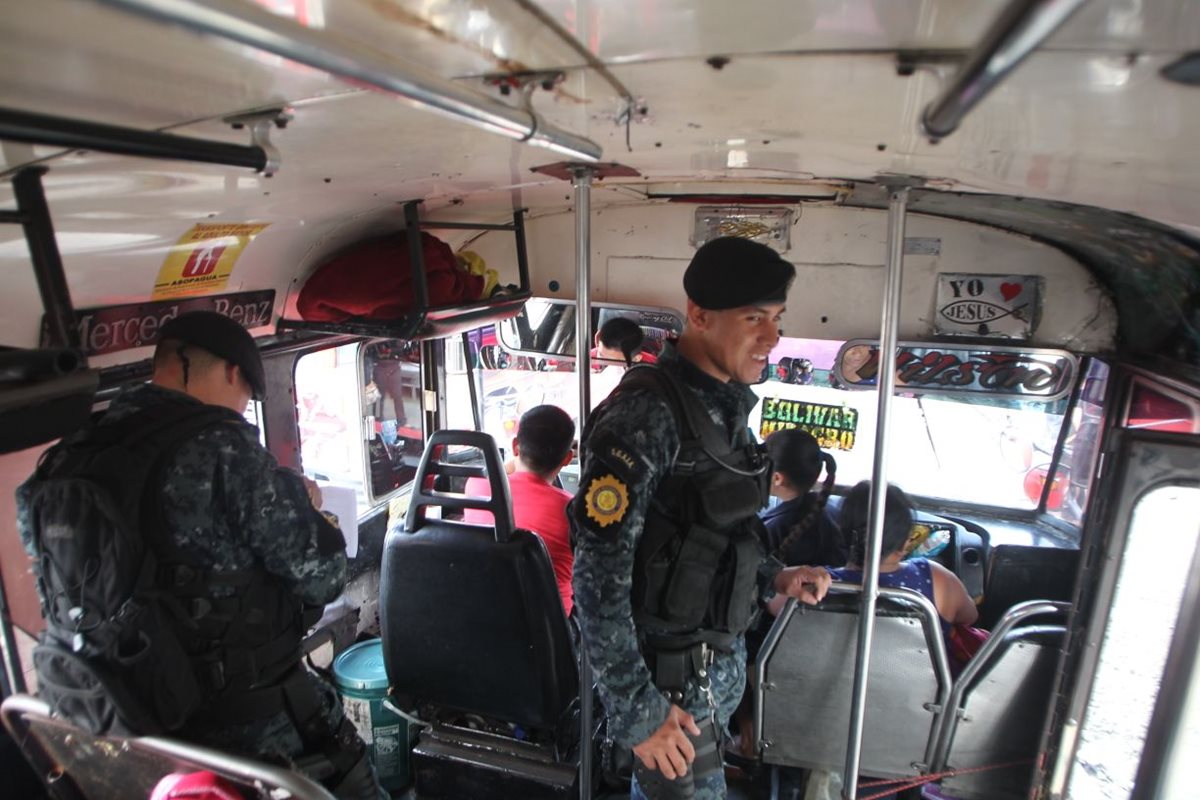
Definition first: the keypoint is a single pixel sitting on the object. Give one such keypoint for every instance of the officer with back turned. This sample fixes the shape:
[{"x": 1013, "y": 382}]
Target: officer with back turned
[
  {"x": 241, "y": 551},
  {"x": 669, "y": 569}
]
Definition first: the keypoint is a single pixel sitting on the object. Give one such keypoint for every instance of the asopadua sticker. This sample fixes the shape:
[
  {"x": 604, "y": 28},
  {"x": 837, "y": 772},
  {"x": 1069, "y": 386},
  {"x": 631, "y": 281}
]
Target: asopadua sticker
[{"x": 203, "y": 258}]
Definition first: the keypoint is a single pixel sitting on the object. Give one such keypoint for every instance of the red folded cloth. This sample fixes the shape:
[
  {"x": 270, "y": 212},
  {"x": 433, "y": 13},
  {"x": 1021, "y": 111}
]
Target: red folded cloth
[{"x": 373, "y": 279}]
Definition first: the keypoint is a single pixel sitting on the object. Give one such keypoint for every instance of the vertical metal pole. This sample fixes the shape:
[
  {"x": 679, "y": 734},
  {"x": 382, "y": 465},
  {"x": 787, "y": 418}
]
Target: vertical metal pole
[
  {"x": 468, "y": 359},
  {"x": 522, "y": 254},
  {"x": 416, "y": 254},
  {"x": 13, "y": 678},
  {"x": 897, "y": 206},
  {"x": 581, "y": 179},
  {"x": 47, "y": 263}
]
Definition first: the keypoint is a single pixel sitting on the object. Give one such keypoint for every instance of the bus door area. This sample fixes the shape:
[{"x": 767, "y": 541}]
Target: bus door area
[{"x": 1129, "y": 707}]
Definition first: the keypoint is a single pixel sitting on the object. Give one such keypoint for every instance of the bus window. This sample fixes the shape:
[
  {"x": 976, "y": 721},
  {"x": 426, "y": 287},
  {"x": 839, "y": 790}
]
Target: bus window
[
  {"x": 391, "y": 410},
  {"x": 1158, "y": 409},
  {"x": 359, "y": 412},
  {"x": 967, "y": 449},
  {"x": 1179, "y": 779},
  {"x": 1153, "y": 574},
  {"x": 253, "y": 415},
  {"x": 328, "y": 410},
  {"x": 508, "y": 385},
  {"x": 1080, "y": 449}
]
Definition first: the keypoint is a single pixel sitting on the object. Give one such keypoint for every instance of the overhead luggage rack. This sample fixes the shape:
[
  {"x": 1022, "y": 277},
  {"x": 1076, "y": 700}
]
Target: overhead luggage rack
[{"x": 436, "y": 322}]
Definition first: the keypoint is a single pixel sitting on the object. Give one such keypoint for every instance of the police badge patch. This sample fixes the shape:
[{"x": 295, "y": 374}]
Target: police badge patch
[{"x": 607, "y": 500}]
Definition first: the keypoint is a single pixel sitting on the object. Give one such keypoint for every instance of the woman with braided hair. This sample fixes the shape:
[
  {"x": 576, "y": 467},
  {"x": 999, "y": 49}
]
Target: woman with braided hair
[{"x": 799, "y": 529}]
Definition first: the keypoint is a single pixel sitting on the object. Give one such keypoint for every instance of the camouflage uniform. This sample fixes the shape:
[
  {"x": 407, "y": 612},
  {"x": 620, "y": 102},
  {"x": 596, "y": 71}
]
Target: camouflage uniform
[
  {"x": 227, "y": 503},
  {"x": 629, "y": 448}
]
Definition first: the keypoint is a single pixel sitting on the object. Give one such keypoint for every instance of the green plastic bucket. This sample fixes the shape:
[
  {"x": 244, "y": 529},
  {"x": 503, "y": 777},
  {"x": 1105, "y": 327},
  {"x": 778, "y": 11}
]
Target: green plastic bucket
[{"x": 362, "y": 682}]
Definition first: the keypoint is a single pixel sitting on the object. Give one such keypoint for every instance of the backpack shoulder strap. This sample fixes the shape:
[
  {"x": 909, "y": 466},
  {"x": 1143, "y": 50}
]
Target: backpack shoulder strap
[
  {"x": 163, "y": 426},
  {"x": 689, "y": 413},
  {"x": 141, "y": 432}
]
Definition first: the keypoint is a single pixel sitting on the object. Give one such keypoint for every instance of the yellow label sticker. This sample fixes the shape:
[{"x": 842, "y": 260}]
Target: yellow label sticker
[
  {"x": 203, "y": 258},
  {"x": 607, "y": 500}
]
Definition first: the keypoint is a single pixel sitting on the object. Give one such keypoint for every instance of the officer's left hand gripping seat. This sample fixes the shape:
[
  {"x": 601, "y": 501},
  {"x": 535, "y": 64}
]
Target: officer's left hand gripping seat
[{"x": 475, "y": 637}]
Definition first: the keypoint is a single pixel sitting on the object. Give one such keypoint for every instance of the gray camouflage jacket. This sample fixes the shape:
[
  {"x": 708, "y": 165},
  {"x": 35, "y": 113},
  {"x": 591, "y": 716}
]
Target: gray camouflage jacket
[{"x": 630, "y": 445}]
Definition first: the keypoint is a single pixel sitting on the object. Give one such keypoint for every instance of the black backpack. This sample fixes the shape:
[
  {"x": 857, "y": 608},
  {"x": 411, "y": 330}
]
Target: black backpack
[{"x": 110, "y": 660}]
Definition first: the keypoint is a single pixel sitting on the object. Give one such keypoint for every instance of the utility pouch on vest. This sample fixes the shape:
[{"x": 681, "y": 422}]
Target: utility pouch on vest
[
  {"x": 734, "y": 593},
  {"x": 696, "y": 565},
  {"x": 716, "y": 571},
  {"x": 688, "y": 588}
]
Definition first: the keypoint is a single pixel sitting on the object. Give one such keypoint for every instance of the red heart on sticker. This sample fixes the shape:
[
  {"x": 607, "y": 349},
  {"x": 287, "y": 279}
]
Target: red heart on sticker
[{"x": 1010, "y": 290}]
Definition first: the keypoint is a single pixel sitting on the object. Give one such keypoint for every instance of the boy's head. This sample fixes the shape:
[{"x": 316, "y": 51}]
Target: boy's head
[
  {"x": 620, "y": 338},
  {"x": 544, "y": 438}
]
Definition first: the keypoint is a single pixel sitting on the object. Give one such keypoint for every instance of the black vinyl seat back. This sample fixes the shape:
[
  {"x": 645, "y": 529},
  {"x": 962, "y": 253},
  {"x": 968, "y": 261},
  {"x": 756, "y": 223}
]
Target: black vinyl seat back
[
  {"x": 470, "y": 614},
  {"x": 77, "y": 765},
  {"x": 806, "y": 677},
  {"x": 1018, "y": 573}
]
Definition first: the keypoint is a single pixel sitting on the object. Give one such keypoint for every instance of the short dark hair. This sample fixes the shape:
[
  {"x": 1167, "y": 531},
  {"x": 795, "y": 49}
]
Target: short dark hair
[
  {"x": 897, "y": 519},
  {"x": 622, "y": 333},
  {"x": 796, "y": 455},
  {"x": 544, "y": 436}
]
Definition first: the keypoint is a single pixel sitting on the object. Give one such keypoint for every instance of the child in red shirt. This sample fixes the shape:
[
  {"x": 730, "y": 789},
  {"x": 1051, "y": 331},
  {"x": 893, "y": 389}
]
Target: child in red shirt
[{"x": 542, "y": 448}]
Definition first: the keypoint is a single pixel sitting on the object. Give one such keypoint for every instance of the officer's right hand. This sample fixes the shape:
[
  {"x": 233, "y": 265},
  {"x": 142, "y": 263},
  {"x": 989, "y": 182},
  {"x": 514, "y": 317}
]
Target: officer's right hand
[
  {"x": 668, "y": 749},
  {"x": 806, "y": 584}
]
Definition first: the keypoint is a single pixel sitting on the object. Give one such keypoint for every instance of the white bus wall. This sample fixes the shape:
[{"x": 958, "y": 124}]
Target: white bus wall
[{"x": 639, "y": 253}]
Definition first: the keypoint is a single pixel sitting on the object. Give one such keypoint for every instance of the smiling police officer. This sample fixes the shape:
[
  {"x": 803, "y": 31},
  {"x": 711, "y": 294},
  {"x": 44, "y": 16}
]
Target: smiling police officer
[{"x": 669, "y": 568}]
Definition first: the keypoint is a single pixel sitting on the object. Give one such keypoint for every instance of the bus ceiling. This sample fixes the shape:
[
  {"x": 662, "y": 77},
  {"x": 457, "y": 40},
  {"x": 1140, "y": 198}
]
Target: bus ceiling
[{"x": 837, "y": 63}]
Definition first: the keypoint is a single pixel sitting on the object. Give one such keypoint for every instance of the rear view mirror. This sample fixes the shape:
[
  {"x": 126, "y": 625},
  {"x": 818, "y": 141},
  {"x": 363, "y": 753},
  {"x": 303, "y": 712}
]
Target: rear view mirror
[{"x": 546, "y": 328}]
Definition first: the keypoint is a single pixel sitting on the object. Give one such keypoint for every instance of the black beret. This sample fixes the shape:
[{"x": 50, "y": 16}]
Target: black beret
[
  {"x": 731, "y": 272},
  {"x": 224, "y": 338}
]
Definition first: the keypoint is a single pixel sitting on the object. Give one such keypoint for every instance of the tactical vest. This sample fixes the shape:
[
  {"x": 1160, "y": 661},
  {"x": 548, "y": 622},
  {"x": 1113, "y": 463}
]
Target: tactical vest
[
  {"x": 248, "y": 639},
  {"x": 240, "y": 629},
  {"x": 695, "y": 572}
]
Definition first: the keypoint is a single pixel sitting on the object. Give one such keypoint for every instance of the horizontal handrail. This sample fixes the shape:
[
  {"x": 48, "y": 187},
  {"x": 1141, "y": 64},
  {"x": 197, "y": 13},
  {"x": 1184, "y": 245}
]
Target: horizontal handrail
[
  {"x": 251, "y": 25},
  {"x": 1020, "y": 28},
  {"x": 18, "y": 709},
  {"x": 77, "y": 134}
]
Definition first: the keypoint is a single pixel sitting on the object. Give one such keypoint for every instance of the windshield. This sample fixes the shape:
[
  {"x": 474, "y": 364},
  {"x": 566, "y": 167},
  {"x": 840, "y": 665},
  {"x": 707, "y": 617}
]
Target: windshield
[{"x": 969, "y": 449}]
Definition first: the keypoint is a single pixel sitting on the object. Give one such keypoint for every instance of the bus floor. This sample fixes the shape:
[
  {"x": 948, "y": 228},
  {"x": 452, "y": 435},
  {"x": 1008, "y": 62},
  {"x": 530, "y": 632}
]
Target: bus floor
[{"x": 741, "y": 787}]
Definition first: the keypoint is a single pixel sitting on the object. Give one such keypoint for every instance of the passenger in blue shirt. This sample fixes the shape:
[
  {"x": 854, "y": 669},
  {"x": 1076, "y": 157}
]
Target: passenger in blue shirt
[{"x": 930, "y": 578}]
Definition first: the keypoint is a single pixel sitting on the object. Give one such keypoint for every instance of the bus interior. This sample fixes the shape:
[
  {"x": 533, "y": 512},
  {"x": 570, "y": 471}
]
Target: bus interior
[{"x": 421, "y": 208}]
